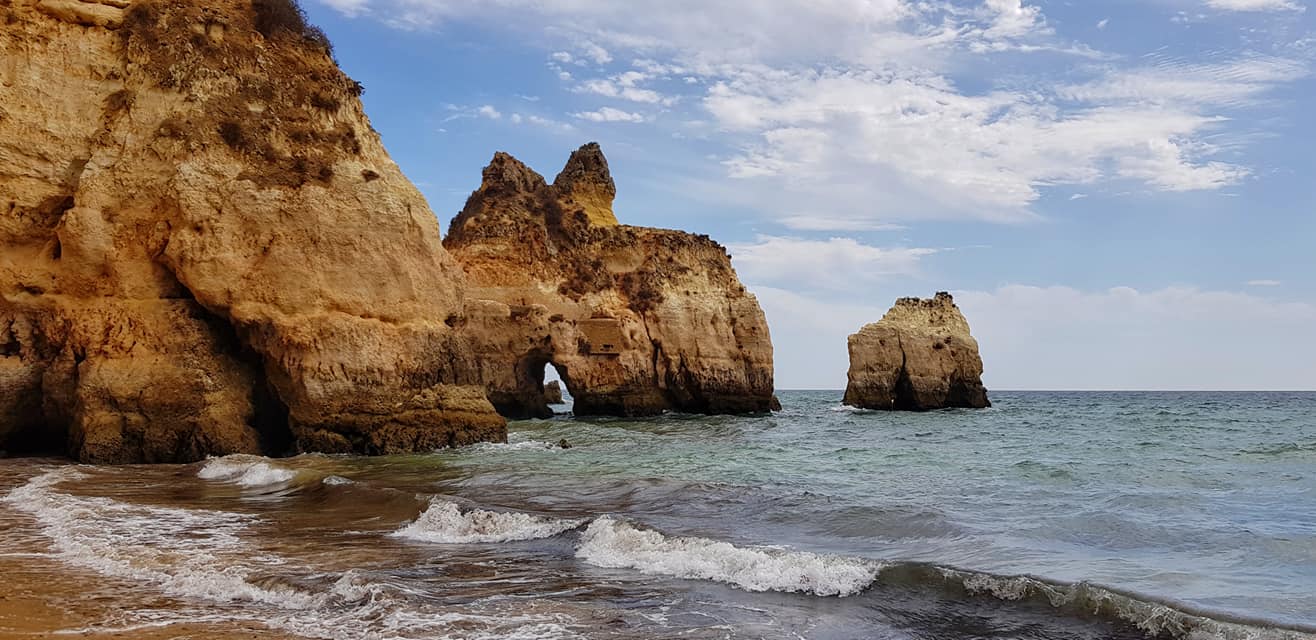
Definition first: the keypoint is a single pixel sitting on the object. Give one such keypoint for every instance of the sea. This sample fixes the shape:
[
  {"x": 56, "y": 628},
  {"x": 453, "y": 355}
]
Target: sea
[{"x": 1085, "y": 515}]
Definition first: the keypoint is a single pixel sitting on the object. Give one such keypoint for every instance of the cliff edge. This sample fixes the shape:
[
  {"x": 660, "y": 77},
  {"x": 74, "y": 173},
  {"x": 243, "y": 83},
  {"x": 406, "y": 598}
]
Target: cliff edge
[
  {"x": 636, "y": 320},
  {"x": 919, "y": 356},
  {"x": 205, "y": 249}
]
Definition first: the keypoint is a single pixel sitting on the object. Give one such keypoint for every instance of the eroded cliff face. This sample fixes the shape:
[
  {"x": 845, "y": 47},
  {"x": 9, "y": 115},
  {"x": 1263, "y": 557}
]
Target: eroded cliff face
[
  {"x": 919, "y": 356},
  {"x": 636, "y": 320},
  {"x": 204, "y": 248}
]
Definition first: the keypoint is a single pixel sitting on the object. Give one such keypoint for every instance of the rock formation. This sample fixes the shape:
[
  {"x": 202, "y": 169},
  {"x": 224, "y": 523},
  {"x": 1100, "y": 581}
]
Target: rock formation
[
  {"x": 636, "y": 320},
  {"x": 553, "y": 392},
  {"x": 918, "y": 357},
  {"x": 204, "y": 248}
]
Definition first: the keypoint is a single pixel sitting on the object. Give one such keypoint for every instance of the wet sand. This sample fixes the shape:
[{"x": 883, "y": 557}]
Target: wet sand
[{"x": 44, "y": 598}]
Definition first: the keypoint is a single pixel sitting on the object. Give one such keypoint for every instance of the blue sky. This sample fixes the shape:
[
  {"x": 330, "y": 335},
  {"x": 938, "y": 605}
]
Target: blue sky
[{"x": 1119, "y": 193}]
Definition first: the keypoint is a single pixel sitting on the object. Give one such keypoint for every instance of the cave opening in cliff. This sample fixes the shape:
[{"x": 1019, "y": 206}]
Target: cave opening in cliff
[{"x": 553, "y": 381}]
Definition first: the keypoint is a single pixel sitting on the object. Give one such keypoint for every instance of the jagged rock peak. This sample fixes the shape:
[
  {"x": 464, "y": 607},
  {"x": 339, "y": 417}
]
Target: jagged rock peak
[
  {"x": 586, "y": 182},
  {"x": 506, "y": 174},
  {"x": 919, "y": 356}
]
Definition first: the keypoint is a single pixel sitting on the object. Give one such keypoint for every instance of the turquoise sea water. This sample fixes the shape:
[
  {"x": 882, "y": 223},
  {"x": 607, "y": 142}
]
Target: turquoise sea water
[{"x": 1050, "y": 515}]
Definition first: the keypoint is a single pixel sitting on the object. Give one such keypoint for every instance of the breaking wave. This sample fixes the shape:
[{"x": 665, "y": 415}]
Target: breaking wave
[
  {"x": 444, "y": 522},
  {"x": 614, "y": 543},
  {"x": 1154, "y": 617},
  {"x": 244, "y": 470},
  {"x": 179, "y": 550},
  {"x": 203, "y": 555}
]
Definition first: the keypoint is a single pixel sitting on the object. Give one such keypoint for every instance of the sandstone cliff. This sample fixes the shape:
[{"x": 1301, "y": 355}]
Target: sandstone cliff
[
  {"x": 918, "y": 357},
  {"x": 204, "y": 248},
  {"x": 636, "y": 320}
]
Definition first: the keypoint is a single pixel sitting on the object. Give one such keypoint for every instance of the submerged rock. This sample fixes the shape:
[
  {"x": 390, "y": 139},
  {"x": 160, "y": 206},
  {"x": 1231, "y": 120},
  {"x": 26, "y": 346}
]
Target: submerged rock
[
  {"x": 919, "y": 356},
  {"x": 205, "y": 249},
  {"x": 636, "y": 320}
]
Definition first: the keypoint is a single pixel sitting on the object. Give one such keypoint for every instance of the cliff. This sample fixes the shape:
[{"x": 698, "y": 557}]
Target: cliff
[
  {"x": 636, "y": 320},
  {"x": 205, "y": 249},
  {"x": 919, "y": 356}
]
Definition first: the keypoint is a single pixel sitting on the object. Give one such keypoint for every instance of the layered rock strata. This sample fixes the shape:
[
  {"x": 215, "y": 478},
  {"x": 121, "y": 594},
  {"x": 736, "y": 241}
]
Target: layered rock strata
[
  {"x": 919, "y": 356},
  {"x": 636, "y": 320},
  {"x": 205, "y": 249}
]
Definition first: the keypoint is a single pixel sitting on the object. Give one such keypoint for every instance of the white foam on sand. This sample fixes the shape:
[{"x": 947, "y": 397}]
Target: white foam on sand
[
  {"x": 444, "y": 522},
  {"x": 614, "y": 543},
  {"x": 247, "y": 471},
  {"x": 179, "y": 550},
  {"x": 204, "y": 556}
]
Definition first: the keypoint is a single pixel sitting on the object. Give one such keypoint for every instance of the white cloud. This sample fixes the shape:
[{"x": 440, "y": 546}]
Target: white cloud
[
  {"x": 625, "y": 86},
  {"x": 836, "y": 263},
  {"x": 609, "y": 114},
  {"x": 921, "y": 146},
  {"x": 488, "y": 111},
  {"x": 1254, "y": 5},
  {"x": 1063, "y": 338},
  {"x": 1233, "y": 83},
  {"x": 350, "y": 8},
  {"x": 1264, "y": 283},
  {"x": 596, "y": 53},
  {"x": 1101, "y": 24},
  {"x": 852, "y": 107},
  {"x": 831, "y": 222}
]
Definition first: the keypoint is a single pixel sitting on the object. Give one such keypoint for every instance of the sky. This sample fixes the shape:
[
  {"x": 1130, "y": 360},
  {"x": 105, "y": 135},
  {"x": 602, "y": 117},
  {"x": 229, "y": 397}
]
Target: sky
[{"x": 1121, "y": 194}]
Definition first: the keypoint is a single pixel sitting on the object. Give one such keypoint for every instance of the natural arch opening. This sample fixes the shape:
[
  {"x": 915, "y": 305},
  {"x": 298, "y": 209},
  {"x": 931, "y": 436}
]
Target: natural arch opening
[
  {"x": 521, "y": 394},
  {"x": 556, "y": 394}
]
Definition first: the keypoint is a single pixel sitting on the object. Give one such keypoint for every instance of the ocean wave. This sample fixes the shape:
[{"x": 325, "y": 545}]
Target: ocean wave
[
  {"x": 244, "y": 470},
  {"x": 178, "y": 550},
  {"x": 202, "y": 555},
  {"x": 614, "y": 543},
  {"x": 1282, "y": 449},
  {"x": 499, "y": 447},
  {"x": 1154, "y": 617},
  {"x": 444, "y": 522}
]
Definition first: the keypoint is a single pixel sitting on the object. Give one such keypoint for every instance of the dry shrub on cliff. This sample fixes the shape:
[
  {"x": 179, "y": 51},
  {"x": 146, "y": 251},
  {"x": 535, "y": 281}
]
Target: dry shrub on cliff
[
  {"x": 273, "y": 16},
  {"x": 265, "y": 76},
  {"x": 585, "y": 278},
  {"x": 642, "y": 289}
]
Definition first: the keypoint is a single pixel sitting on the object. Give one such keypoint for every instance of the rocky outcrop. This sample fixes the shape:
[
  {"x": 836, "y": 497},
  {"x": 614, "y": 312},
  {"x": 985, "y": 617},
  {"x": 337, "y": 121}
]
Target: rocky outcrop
[
  {"x": 204, "y": 248},
  {"x": 553, "y": 392},
  {"x": 918, "y": 357},
  {"x": 637, "y": 321}
]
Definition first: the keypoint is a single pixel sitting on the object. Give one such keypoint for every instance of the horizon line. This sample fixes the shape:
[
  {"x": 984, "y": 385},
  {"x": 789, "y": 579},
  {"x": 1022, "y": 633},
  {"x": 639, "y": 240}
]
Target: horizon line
[{"x": 1058, "y": 390}]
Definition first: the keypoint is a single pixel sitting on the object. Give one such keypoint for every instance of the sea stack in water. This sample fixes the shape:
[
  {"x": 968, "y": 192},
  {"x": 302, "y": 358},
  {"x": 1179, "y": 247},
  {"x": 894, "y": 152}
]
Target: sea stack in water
[
  {"x": 636, "y": 320},
  {"x": 918, "y": 357},
  {"x": 553, "y": 392},
  {"x": 204, "y": 248}
]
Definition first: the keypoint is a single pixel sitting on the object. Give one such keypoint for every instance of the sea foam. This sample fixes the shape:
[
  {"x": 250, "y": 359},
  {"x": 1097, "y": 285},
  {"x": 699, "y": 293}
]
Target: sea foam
[
  {"x": 202, "y": 555},
  {"x": 182, "y": 551},
  {"x": 445, "y": 522},
  {"x": 247, "y": 471},
  {"x": 614, "y": 543}
]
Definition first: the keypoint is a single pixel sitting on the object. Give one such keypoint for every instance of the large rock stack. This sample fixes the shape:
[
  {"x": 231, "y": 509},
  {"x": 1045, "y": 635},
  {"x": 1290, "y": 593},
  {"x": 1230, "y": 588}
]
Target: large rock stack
[
  {"x": 636, "y": 320},
  {"x": 919, "y": 356}
]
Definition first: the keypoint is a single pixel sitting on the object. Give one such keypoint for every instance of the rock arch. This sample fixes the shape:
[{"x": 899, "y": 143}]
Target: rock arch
[{"x": 644, "y": 320}]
